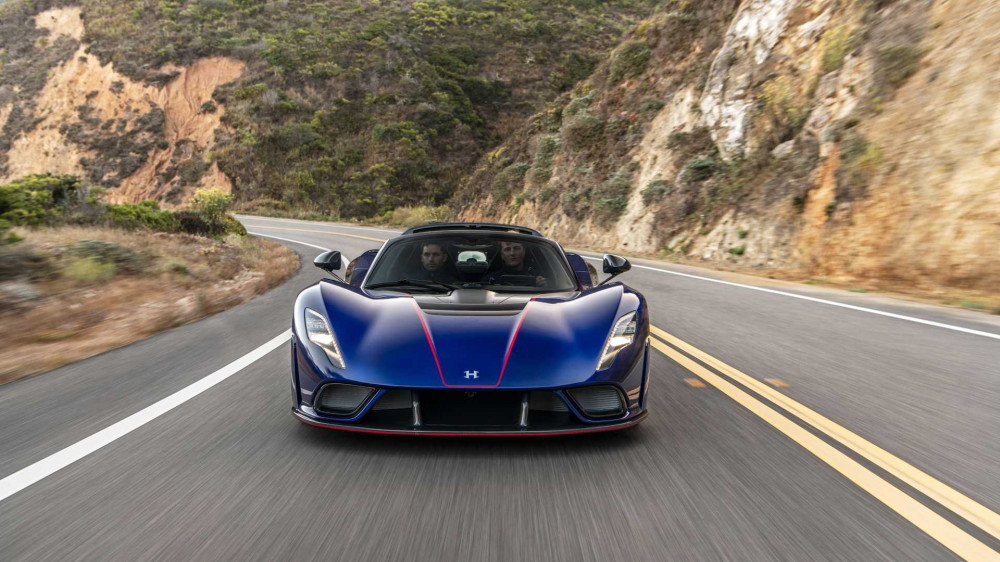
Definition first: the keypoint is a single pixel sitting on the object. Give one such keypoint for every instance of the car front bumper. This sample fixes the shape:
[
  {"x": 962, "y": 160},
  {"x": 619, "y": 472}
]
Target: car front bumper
[{"x": 469, "y": 430}]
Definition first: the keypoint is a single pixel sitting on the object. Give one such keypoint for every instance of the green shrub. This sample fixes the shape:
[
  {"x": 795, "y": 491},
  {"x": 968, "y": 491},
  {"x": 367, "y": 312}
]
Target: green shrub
[
  {"x": 573, "y": 67},
  {"x": 193, "y": 222},
  {"x": 700, "y": 169},
  {"x": 33, "y": 200},
  {"x": 146, "y": 214},
  {"x": 212, "y": 204},
  {"x": 576, "y": 105},
  {"x": 738, "y": 250},
  {"x": 654, "y": 190},
  {"x": 860, "y": 163},
  {"x": 653, "y": 105},
  {"x": 629, "y": 60},
  {"x": 508, "y": 180},
  {"x": 541, "y": 167},
  {"x": 835, "y": 43},
  {"x": 897, "y": 62},
  {"x": 582, "y": 131},
  {"x": 123, "y": 258},
  {"x": 89, "y": 270},
  {"x": 612, "y": 206}
]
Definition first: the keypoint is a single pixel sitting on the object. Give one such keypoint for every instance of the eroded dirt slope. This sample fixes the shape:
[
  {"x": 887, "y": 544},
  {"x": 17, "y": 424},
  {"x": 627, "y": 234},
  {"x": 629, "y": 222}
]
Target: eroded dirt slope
[{"x": 142, "y": 141}]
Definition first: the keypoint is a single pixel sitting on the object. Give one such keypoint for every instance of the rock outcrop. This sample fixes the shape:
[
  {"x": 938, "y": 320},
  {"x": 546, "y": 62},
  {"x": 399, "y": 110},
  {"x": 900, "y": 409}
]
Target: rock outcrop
[{"x": 848, "y": 140}]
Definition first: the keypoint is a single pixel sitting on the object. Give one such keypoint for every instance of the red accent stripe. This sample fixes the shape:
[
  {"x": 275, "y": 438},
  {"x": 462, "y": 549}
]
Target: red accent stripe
[
  {"x": 506, "y": 357},
  {"x": 465, "y": 434},
  {"x": 429, "y": 341},
  {"x": 524, "y": 314}
]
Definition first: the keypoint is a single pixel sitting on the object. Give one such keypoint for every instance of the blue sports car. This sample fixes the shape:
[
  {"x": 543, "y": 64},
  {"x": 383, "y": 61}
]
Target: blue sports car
[{"x": 470, "y": 328}]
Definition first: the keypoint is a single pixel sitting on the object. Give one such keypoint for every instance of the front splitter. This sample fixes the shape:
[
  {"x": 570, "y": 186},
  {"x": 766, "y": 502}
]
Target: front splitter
[{"x": 360, "y": 428}]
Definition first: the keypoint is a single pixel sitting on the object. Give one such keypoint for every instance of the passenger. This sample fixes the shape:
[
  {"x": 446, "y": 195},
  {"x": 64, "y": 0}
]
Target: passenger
[
  {"x": 434, "y": 264},
  {"x": 514, "y": 263}
]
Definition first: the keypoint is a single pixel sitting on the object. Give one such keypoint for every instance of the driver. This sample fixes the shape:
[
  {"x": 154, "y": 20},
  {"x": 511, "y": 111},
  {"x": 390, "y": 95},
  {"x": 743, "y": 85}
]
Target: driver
[
  {"x": 512, "y": 254},
  {"x": 434, "y": 263}
]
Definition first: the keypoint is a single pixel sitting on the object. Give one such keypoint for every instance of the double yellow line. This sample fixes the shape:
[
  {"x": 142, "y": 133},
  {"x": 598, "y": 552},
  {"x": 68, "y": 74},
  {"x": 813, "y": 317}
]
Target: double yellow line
[{"x": 948, "y": 534}]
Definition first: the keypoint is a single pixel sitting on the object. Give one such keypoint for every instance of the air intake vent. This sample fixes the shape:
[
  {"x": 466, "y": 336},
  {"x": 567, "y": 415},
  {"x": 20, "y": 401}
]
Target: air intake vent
[
  {"x": 598, "y": 401},
  {"x": 342, "y": 399}
]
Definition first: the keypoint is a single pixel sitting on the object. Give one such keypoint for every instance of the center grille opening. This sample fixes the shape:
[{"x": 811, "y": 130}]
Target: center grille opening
[{"x": 461, "y": 408}]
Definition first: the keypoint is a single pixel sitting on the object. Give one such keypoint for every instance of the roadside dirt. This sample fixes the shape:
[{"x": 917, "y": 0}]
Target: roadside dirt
[{"x": 69, "y": 305}]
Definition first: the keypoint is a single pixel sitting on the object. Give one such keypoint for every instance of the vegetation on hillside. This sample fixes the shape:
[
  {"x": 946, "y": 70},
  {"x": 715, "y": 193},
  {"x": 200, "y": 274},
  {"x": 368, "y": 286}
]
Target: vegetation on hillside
[
  {"x": 46, "y": 200},
  {"x": 350, "y": 106},
  {"x": 592, "y": 130},
  {"x": 580, "y": 153}
]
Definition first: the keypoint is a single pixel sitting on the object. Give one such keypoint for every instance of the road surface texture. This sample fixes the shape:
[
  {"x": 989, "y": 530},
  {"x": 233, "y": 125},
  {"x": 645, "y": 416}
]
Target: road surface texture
[{"x": 832, "y": 427}]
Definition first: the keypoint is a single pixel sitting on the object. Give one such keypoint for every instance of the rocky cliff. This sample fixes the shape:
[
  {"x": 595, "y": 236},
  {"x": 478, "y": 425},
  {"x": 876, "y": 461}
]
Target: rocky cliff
[{"x": 849, "y": 140}]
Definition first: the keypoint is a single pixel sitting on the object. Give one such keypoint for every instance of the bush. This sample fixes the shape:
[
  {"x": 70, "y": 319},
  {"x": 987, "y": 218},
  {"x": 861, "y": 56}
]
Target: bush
[
  {"x": 860, "y": 163},
  {"x": 577, "y": 105},
  {"x": 32, "y": 200},
  {"x": 541, "y": 168},
  {"x": 146, "y": 214},
  {"x": 654, "y": 190},
  {"x": 629, "y": 60},
  {"x": 507, "y": 180},
  {"x": 212, "y": 205},
  {"x": 192, "y": 222},
  {"x": 123, "y": 258},
  {"x": 898, "y": 62},
  {"x": 89, "y": 270},
  {"x": 700, "y": 169},
  {"x": 835, "y": 44},
  {"x": 582, "y": 131}
]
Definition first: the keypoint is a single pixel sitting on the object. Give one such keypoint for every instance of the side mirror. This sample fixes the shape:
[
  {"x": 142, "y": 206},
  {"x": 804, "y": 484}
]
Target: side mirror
[
  {"x": 615, "y": 265},
  {"x": 328, "y": 261}
]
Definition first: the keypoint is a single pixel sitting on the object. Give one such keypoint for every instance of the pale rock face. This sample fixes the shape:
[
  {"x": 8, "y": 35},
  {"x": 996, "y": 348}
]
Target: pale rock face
[
  {"x": 655, "y": 161},
  {"x": 751, "y": 37}
]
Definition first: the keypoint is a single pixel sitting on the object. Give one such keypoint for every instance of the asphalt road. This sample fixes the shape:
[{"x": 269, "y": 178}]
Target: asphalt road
[{"x": 781, "y": 428}]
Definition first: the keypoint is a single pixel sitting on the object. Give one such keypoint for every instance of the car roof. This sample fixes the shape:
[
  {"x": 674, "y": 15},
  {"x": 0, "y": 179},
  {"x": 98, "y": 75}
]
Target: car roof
[{"x": 470, "y": 227}]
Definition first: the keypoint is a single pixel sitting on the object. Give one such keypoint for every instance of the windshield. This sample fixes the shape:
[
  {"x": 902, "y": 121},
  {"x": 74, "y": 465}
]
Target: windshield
[{"x": 495, "y": 261}]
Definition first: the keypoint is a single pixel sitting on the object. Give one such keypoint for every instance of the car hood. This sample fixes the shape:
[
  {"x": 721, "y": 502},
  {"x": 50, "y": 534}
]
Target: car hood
[{"x": 471, "y": 338}]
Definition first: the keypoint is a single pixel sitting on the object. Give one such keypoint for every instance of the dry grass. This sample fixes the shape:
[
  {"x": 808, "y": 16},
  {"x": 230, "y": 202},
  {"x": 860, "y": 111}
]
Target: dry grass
[{"x": 186, "y": 278}]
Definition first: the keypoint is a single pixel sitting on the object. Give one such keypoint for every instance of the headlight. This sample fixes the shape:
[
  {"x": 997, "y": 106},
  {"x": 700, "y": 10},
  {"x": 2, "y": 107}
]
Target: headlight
[
  {"x": 319, "y": 333},
  {"x": 620, "y": 338}
]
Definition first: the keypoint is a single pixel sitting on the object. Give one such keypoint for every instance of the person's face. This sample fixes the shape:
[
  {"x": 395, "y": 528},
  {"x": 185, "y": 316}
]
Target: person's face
[
  {"x": 512, "y": 253},
  {"x": 433, "y": 257}
]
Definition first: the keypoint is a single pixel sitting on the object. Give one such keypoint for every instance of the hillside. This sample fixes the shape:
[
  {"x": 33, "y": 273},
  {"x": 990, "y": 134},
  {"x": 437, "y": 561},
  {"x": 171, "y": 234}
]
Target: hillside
[
  {"x": 836, "y": 139},
  {"x": 345, "y": 107}
]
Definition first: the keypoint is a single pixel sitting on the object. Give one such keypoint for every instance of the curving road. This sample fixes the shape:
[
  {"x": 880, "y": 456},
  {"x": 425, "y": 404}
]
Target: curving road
[{"x": 787, "y": 423}]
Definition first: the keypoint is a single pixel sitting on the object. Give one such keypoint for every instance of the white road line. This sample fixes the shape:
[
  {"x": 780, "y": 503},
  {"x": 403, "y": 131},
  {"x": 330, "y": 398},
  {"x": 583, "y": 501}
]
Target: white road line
[
  {"x": 823, "y": 301},
  {"x": 290, "y": 240},
  {"x": 317, "y": 223},
  {"x": 57, "y": 461},
  {"x": 343, "y": 256}
]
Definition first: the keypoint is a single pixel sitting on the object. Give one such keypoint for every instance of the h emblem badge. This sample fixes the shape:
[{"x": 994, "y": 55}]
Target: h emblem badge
[{"x": 472, "y": 374}]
